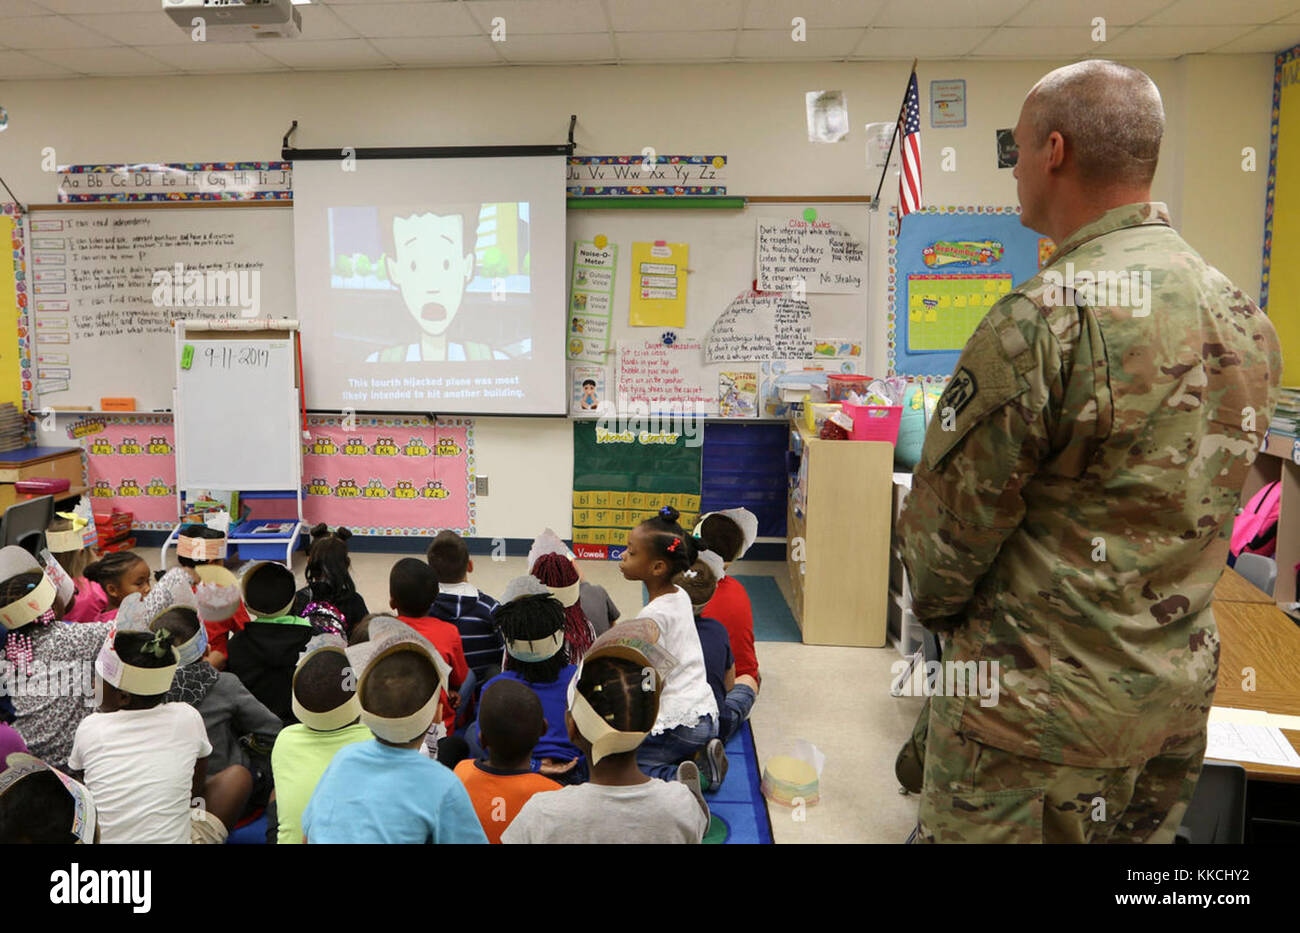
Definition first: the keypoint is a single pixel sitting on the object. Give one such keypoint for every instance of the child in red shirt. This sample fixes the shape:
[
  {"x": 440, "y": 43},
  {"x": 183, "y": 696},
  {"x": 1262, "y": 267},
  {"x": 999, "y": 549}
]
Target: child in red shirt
[
  {"x": 729, "y": 534},
  {"x": 412, "y": 588},
  {"x": 510, "y": 723}
]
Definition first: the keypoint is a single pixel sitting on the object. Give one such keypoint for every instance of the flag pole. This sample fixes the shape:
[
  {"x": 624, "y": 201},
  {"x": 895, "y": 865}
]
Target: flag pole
[{"x": 897, "y": 124}]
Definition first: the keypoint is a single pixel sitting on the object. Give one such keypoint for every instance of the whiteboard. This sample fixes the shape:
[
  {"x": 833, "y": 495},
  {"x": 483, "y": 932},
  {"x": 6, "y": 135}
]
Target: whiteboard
[
  {"x": 721, "y": 265},
  {"x": 101, "y": 310},
  {"x": 237, "y": 412}
]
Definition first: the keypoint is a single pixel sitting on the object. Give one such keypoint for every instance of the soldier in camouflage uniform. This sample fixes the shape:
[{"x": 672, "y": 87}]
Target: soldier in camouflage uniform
[{"x": 1070, "y": 514}]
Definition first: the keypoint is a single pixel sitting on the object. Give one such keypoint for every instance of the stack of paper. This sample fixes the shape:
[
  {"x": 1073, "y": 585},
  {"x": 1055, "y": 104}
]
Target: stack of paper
[
  {"x": 1251, "y": 735},
  {"x": 11, "y": 427}
]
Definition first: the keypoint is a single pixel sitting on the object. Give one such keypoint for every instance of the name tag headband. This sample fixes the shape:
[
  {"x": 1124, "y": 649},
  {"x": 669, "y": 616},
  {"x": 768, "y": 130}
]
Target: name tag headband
[
  {"x": 138, "y": 681},
  {"x": 30, "y": 606},
  {"x": 534, "y": 650}
]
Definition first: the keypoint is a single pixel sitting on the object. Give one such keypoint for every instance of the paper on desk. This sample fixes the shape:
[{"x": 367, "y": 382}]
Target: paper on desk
[
  {"x": 1266, "y": 745},
  {"x": 1253, "y": 717}
]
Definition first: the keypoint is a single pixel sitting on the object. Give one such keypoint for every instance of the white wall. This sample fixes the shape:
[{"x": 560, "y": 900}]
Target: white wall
[{"x": 753, "y": 113}]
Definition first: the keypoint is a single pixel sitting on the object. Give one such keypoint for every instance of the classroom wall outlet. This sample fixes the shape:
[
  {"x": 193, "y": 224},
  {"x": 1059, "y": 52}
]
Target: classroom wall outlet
[{"x": 480, "y": 485}]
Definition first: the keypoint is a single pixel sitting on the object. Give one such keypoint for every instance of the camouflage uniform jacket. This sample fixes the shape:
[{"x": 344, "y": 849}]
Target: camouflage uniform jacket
[{"x": 1073, "y": 519}]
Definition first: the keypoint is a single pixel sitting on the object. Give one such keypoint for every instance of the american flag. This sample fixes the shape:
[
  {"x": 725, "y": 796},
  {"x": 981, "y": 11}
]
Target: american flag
[{"x": 909, "y": 180}]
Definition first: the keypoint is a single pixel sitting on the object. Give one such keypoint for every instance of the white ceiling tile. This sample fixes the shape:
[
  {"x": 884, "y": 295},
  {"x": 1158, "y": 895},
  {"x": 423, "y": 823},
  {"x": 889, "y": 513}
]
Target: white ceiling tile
[
  {"x": 1038, "y": 42},
  {"x": 528, "y": 17},
  {"x": 1221, "y": 12},
  {"x": 674, "y": 15},
  {"x": 927, "y": 44},
  {"x": 1170, "y": 41},
  {"x": 777, "y": 14},
  {"x": 103, "y": 6},
  {"x": 1276, "y": 38},
  {"x": 22, "y": 65},
  {"x": 952, "y": 13},
  {"x": 1114, "y": 12},
  {"x": 136, "y": 28},
  {"x": 776, "y": 44},
  {"x": 205, "y": 57},
  {"x": 110, "y": 61},
  {"x": 328, "y": 54},
  {"x": 319, "y": 22},
  {"x": 49, "y": 32},
  {"x": 585, "y": 47},
  {"x": 408, "y": 20},
  {"x": 429, "y": 52},
  {"x": 714, "y": 45}
]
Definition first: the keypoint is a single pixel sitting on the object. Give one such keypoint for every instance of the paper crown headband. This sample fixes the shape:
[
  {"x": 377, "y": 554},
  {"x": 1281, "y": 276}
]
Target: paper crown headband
[
  {"x": 388, "y": 636},
  {"x": 746, "y": 520},
  {"x": 64, "y": 586},
  {"x": 604, "y": 738},
  {"x": 30, "y": 606},
  {"x": 535, "y": 649},
  {"x": 138, "y": 681},
  {"x": 84, "y": 815},
  {"x": 200, "y": 548},
  {"x": 265, "y": 567},
  {"x": 330, "y": 719},
  {"x": 71, "y": 539}
]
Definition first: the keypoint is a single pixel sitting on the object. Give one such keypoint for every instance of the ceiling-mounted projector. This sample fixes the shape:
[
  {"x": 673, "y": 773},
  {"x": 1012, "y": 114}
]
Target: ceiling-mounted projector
[{"x": 237, "y": 20}]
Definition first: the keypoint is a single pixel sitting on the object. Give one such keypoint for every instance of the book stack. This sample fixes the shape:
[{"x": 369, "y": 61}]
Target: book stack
[
  {"x": 1286, "y": 418},
  {"x": 12, "y": 427}
]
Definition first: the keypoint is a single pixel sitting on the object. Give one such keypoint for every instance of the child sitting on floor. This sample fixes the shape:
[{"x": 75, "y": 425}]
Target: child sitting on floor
[
  {"x": 657, "y": 551},
  {"x": 412, "y": 588},
  {"x": 265, "y": 652},
  {"x": 735, "y": 694},
  {"x": 120, "y": 574},
  {"x": 325, "y": 702},
  {"x": 44, "y": 657},
  {"x": 465, "y": 605},
  {"x": 143, "y": 759},
  {"x": 729, "y": 534},
  {"x": 385, "y": 791},
  {"x": 610, "y": 713},
  {"x": 65, "y": 540},
  {"x": 532, "y": 623},
  {"x": 510, "y": 723},
  {"x": 41, "y": 806},
  {"x": 329, "y": 577}
]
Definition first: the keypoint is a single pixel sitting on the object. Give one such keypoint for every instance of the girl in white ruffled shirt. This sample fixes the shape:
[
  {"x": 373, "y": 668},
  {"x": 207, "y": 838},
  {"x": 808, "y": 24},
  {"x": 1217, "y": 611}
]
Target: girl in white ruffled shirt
[{"x": 657, "y": 549}]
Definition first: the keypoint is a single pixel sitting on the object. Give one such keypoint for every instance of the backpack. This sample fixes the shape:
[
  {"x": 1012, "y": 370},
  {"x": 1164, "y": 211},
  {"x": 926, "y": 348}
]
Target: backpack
[{"x": 1255, "y": 530}]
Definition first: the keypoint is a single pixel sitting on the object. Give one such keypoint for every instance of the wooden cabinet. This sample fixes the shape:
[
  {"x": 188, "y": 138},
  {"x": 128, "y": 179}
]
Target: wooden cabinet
[{"x": 838, "y": 539}]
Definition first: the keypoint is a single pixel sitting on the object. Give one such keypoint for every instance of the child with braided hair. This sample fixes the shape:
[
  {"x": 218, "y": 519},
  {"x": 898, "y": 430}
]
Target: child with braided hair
[
  {"x": 145, "y": 761},
  {"x": 657, "y": 550},
  {"x": 613, "y": 703}
]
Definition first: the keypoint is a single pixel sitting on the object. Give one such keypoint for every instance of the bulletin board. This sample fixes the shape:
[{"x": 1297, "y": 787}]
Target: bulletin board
[
  {"x": 947, "y": 267},
  {"x": 1280, "y": 285},
  {"x": 15, "y": 340},
  {"x": 721, "y": 267},
  {"x": 130, "y": 465}
]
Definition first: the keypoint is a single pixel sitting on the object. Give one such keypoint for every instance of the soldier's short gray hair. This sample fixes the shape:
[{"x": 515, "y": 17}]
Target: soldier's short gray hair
[{"x": 1109, "y": 114}]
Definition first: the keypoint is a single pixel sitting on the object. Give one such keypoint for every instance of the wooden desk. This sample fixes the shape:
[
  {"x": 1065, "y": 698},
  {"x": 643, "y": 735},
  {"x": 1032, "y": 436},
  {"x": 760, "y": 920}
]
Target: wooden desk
[
  {"x": 10, "y": 496},
  {"x": 1264, "y": 638},
  {"x": 1234, "y": 588}
]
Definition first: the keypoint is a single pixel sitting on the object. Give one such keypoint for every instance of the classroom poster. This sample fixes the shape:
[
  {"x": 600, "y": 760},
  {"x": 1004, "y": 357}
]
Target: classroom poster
[
  {"x": 663, "y": 175},
  {"x": 760, "y": 326},
  {"x": 658, "y": 287},
  {"x": 667, "y": 375},
  {"x": 586, "y": 389},
  {"x": 622, "y": 475},
  {"x": 130, "y": 465},
  {"x": 591, "y": 300},
  {"x": 804, "y": 255},
  {"x": 738, "y": 394},
  {"x": 177, "y": 181},
  {"x": 391, "y": 475},
  {"x": 13, "y": 330}
]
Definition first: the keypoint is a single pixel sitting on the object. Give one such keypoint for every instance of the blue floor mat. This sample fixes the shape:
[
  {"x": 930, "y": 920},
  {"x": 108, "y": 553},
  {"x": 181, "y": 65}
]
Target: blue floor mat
[
  {"x": 772, "y": 618},
  {"x": 251, "y": 834},
  {"x": 738, "y": 802}
]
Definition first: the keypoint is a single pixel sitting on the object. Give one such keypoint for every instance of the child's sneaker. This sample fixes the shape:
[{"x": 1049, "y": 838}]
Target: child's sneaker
[
  {"x": 714, "y": 761},
  {"x": 689, "y": 774}
]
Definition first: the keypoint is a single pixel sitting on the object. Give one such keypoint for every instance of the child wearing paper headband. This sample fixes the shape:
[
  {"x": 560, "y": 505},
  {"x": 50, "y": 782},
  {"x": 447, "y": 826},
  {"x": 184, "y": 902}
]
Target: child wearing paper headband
[
  {"x": 385, "y": 791},
  {"x": 532, "y": 622},
  {"x": 657, "y": 550},
  {"x": 42, "y": 806},
  {"x": 613, "y": 704},
  {"x": 329, "y": 577},
  {"x": 65, "y": 539},
  {"x": 37, "y": 648},
  {"x": 145, "y": 760},
  {"x": 730, "y": 533},
  {"x": 120, "y": 573}
]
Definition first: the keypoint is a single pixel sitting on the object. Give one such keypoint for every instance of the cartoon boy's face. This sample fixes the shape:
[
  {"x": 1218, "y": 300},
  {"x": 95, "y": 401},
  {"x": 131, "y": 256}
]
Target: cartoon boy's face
[{"x": 431, "y": 267}]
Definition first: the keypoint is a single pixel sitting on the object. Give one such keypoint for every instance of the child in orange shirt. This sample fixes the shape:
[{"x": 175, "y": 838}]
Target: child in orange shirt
[
  {"x": 510, "y": 723},
  {"x": 412, "y": 588}
]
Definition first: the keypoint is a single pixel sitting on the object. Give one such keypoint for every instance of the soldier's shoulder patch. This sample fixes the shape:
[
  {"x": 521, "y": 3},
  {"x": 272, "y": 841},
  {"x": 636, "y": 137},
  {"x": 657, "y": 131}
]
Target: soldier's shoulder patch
[{"x": 961, "y": 389}]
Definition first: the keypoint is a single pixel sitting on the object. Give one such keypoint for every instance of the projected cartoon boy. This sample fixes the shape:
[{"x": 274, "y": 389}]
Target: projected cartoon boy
[{"x": 431, "y": 265}]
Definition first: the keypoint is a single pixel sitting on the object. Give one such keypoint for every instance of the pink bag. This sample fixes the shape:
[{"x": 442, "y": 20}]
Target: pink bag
[{"x": 1255, "y": 529}]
